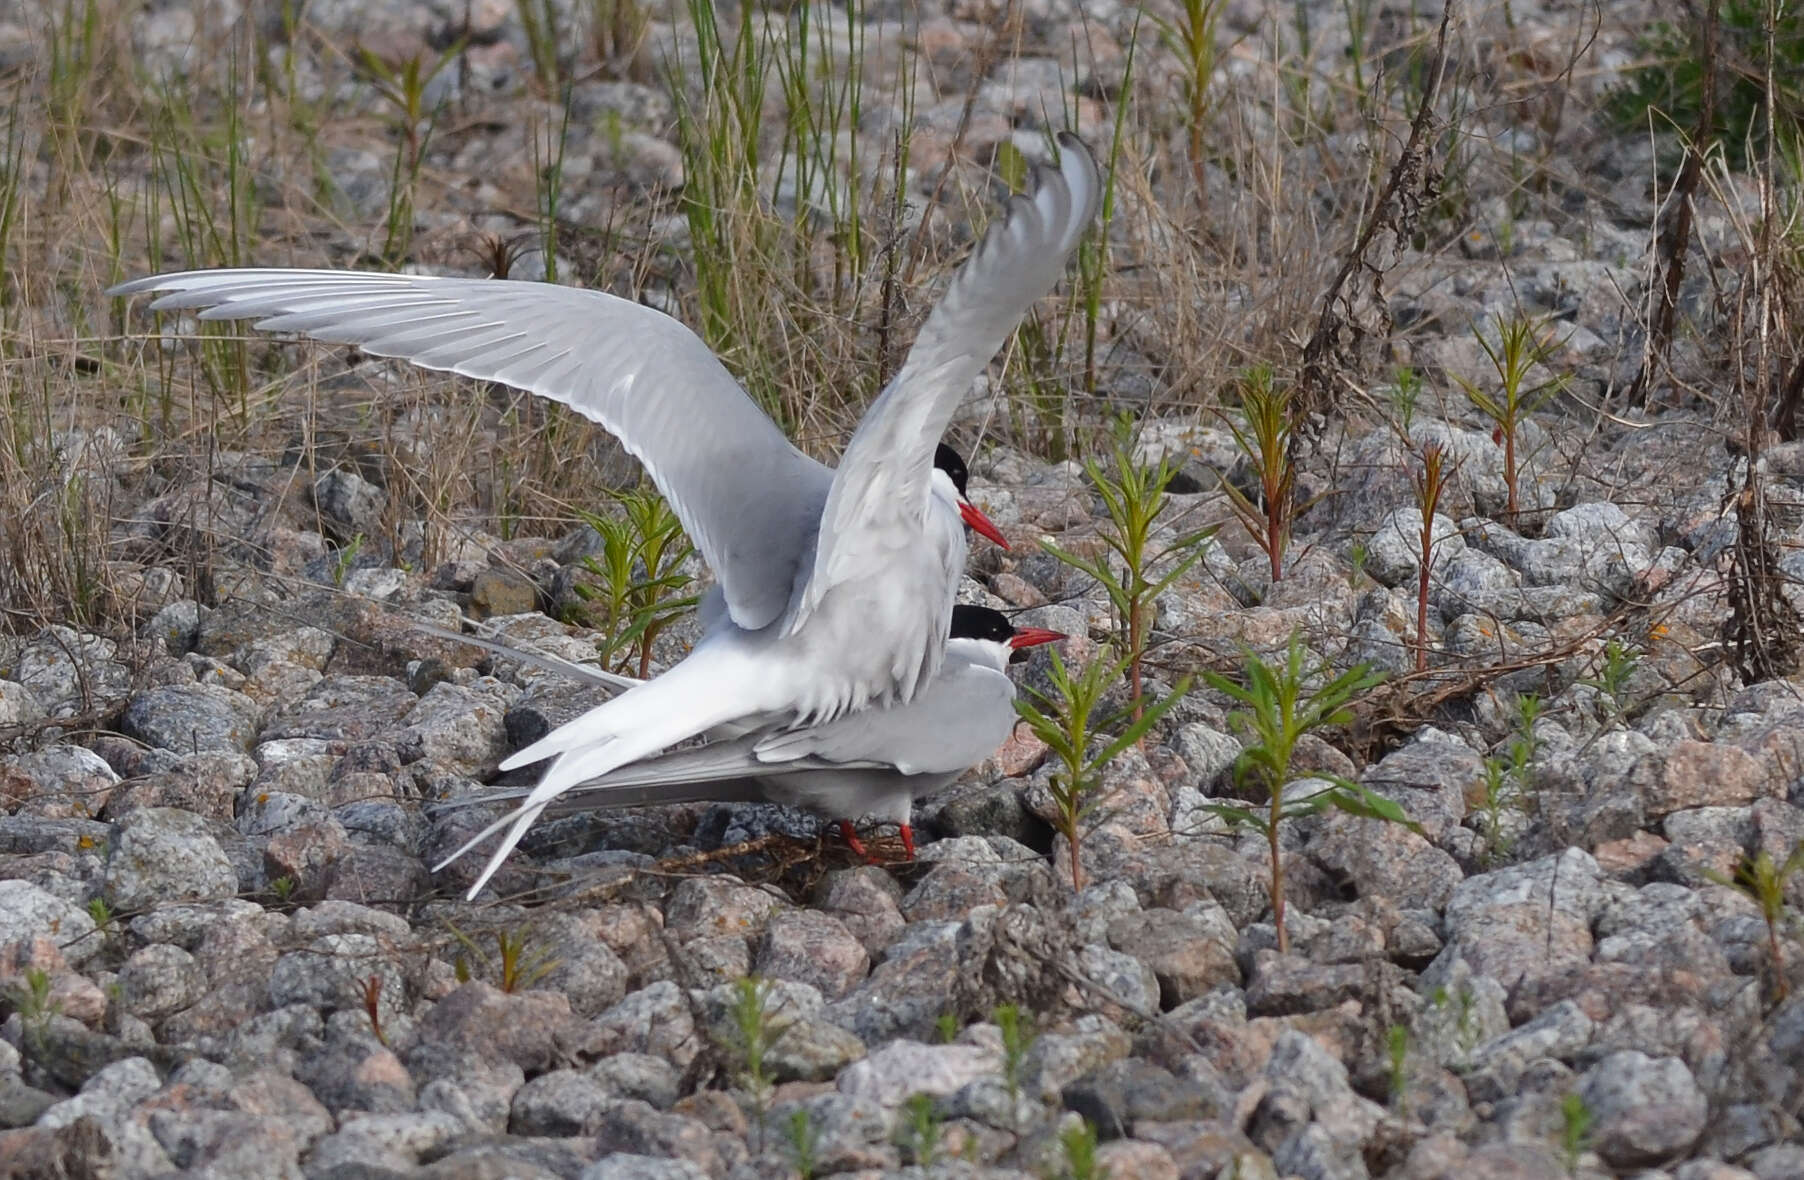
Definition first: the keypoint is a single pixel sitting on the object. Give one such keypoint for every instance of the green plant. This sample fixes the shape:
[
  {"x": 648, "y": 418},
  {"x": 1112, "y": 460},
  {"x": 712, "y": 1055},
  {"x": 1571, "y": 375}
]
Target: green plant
[
  {"x": 752, "y": 1032},
  {"x": 34, "y": 1003},
  {"x": 946, "y": 1027},
  {"x": 1762, "y": 881},
  {"x": 403, "y": 87},
  {"x": 804, "y": 1142},
  {"x": 100, "y": 912},
  {"x": 546, "y": 41},
  {"x": 1078, "y": 1143},
  {"x": 1575, "y": 1129},
  {"x": 1396, "y": 1048},
  {"x": 283, "y": 889},
  {"x": 1521, "y": 347},
  {"x": 1429, "y": 482},
  {"x": 1615, "y": 669},
  {"x": 1264, "y": 439},
  {"x": 1192, "y": 38},
  {"x": 641, "y": 581},
  {"x": 516, "y": 966},
  {"x": 1279, "y": 707},
  {"x": 346, "y": 559},
  {"x": 1405, "y": 392},
  {"x": 1069, "y": 721},
  {"x": 548, "y": 188},
  {"x": 1134, "y": 497},
  {"x": 1668, "y": 91},
  {"x": 1507, "y": 777},
  {"x": 920, "y": 1131},
  {"x": 1017, "y": 1039}
]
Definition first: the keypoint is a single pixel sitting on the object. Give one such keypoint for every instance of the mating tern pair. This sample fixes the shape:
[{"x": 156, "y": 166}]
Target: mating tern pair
[
  {"x": 835, "y": 588},
  {"x": 873, "y": 762}
]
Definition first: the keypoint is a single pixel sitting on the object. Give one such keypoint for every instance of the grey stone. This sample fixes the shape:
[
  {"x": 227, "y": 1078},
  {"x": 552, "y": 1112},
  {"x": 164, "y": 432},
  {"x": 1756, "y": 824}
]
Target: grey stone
[
  {"x": 637, "y": 1075},
  {"x": 1496, "y": 1066},
  {"x": 159, "y": 854},
  {"x": 814, "y": 948},
  {"x": 1188, "y": 956},
  {"x": 1121, "y": 1094},
  {"x": 623, "y": 1166},
  {"x": 903, "y": 1068},
  {"x": 562, "y": 1102},
  {"x": 160, "y": 980},
  {"x": 655, "y": 1020},
  {"x": 192, "y": 717},
  {"x": 1645, "y": 1109},
  {"x": 28, "y": 911},
  {"x": 637, "y": 1128}
]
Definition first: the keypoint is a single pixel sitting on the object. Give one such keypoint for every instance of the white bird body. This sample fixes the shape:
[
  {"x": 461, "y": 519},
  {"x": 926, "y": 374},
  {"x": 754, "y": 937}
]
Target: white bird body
[
  {"x": 838, "y": 585},
  {"x": 874, "y": 762}
]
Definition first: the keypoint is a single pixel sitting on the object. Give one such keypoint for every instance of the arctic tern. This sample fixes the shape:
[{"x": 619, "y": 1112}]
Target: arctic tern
[
  {"x": 874, "y": 762},
  {"x": 835, "y": 587}
]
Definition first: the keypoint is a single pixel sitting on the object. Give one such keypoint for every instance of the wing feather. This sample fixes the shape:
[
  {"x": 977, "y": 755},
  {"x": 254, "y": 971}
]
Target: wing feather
[
  {"x": 883, "y": 478},
  {"x": 749, "y": 500}
]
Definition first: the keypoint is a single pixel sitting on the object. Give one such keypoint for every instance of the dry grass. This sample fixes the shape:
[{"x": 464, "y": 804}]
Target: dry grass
[{"x": 798, "y": 249}]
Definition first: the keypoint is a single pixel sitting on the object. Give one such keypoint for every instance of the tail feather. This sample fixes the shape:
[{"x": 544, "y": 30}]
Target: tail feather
[{"x": 703, "y": 691}]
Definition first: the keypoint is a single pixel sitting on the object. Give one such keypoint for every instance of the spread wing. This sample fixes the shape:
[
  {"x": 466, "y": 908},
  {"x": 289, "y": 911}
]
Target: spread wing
[
  {"x": 749, "y": 500},
  {"x": 881, "y": 485}
]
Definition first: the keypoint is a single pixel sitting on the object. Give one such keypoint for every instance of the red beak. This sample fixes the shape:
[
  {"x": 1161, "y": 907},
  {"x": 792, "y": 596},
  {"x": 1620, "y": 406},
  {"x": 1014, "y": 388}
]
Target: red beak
[
  {"x": 1034, "y": 637},
  {"x": 980, "y": 523}
]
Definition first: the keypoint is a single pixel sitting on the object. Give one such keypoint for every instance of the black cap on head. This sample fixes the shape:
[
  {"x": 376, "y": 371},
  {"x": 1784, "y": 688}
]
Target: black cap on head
[
  {"x": 980, "y": 622},
  {"x": 949, "y": 461}
]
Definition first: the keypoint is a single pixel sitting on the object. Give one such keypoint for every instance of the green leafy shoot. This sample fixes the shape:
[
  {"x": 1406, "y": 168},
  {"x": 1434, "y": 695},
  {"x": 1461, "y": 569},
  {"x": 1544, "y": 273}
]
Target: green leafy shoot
[
  {"x": 920, "y": 1131},
  {"x": 1135, "y": 572},
  {"x": 1762, "y": 881},
  {"x": 640, "y": 578},
  {"x": 1521, "y": 347},
  {"x": 1575, "y": 1130},
  {"x": 1277, "y": 708},
  {"x": 1073, "y": 723},
  {"x": 1429, "y": 482},
  {"x": 1615, "y": 668},
  {"x": 1264, "y": 439}
]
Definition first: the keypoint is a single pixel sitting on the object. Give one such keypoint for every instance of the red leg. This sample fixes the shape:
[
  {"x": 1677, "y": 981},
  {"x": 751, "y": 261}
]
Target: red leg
[
  {"x": 850, "y": 835},
  {"x": 908, "y": 840}
]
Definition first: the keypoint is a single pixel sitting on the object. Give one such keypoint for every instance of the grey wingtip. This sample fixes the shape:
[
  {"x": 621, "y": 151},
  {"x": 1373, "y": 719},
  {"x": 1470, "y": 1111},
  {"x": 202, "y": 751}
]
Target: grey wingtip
[{"x": 133, "y": 286}]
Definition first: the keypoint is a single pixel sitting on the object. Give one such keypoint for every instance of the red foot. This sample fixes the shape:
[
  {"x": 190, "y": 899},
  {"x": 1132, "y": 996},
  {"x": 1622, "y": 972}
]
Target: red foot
[
  {"x": 908, "y": 841},
  {"x": 850, "y": 835}
]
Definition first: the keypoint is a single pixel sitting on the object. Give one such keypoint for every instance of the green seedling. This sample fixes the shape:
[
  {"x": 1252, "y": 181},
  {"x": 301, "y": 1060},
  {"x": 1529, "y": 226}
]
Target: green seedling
[
  {"x": 1078, "y": 1142},
  {"x": 1762, "y": 881},
  {"x": 1278, "y": 708},
  {"x": 516, "y": 966},
  {"x": 1135, "y": 572},
  {"x": 1615, "y": 668},
  {"x": 1521, "y": 347},
  {"x": 1429, "y": 481},
  {"x": 1507, "y": 777},
  {"x": 403, "y": 87},
  {"x": 1191, "y": 37},
  {"x": 1264, "y": 439},
  {"x": 920, "y": 1131},
  {"x": 1071, "y": 721},
  {"x": 639, "y": 571},
  {"x": 1575, "y": 1130},
  {"x": 1396, "y": 1045},
  {"x": 804, "y": 1142},
  {"x": 1017, "y": 1038}
]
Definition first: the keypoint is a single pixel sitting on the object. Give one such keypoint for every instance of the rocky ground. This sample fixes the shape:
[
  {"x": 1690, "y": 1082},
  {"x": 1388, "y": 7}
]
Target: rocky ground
[{"x": 223, "y": 952}]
